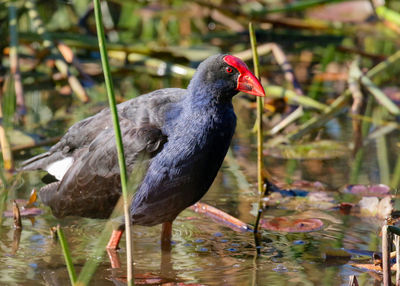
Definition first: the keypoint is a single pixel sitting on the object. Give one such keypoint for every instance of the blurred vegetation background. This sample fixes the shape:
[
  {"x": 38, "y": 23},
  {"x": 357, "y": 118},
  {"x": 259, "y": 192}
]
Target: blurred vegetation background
[{"x": 329, "y": 67}]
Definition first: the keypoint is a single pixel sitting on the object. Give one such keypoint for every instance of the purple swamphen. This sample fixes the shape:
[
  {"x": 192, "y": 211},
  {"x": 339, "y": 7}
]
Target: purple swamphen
[{"x": 182, "y": 134}]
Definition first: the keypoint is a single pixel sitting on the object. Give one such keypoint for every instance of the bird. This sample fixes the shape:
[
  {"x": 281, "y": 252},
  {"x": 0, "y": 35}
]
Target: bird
[{"x": 182, "y": 135}]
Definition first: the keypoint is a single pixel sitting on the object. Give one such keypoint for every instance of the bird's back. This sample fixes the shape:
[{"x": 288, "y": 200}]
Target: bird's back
[{"x": 90, "y": 185}]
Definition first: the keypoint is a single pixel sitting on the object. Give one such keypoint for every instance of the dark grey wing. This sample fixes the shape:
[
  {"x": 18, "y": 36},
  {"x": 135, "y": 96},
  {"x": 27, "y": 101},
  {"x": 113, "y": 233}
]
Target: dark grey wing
[
  {"x": 148, "y": 109},
  {"x": 91, "y": 187}
]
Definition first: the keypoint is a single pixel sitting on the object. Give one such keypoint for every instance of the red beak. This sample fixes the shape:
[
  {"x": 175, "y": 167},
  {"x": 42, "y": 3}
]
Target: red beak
[{"x": 246, "y": 82}]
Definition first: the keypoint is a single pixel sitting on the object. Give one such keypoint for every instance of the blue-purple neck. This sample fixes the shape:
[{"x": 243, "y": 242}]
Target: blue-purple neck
[{"x": 202, "y": 95}]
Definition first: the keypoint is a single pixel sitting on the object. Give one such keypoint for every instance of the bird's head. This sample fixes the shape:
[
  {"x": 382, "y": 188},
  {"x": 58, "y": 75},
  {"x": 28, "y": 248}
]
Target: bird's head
[{"x": 223, "y": 76}]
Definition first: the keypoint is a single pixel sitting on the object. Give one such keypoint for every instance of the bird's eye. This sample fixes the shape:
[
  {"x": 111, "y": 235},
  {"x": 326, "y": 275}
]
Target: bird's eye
[{"x": 229, "y": 70}]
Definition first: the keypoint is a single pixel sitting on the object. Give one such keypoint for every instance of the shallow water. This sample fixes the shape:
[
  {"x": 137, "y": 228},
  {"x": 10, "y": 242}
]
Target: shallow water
[{"x": 204, "y": 251}]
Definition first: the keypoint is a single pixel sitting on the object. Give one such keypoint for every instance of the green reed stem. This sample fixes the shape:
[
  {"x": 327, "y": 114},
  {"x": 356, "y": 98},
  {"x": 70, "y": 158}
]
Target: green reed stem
[
  {"x": 260, "y": 107},
  {"x": 118, "y": 137},
  {"x": 67, "y": 255}
]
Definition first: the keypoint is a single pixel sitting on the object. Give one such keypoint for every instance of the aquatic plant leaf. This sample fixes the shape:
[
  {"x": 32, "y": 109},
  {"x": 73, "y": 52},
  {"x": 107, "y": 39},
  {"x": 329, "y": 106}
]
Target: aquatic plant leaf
[
  {"x": 25, "y": 212},
  {"x": 379, "y": 190},
  {"x": 291, "y": 224},
  {"x": 372, "y": 206}
]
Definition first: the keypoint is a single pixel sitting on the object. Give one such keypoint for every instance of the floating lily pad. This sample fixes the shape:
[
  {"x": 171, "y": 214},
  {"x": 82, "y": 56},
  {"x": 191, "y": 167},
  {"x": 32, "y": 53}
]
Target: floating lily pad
[
  {"x": 324, "y": 149},
  {"x": 291, "y": 224},
  {"x": 380, "y": 190}
]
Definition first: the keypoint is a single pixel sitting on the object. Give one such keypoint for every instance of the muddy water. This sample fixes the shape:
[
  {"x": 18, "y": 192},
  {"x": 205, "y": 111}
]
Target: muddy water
[{"x": 205, "y": 251}]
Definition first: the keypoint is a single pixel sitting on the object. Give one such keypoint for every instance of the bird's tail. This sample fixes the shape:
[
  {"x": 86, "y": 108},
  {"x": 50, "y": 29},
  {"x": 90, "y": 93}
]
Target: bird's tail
[{"x": 40, "y": 161}]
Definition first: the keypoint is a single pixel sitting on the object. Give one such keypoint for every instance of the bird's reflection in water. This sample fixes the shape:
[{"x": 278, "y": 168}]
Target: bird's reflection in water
[
  {"x": 56, "y": 273},
  {"x": 167, "y": 273}
]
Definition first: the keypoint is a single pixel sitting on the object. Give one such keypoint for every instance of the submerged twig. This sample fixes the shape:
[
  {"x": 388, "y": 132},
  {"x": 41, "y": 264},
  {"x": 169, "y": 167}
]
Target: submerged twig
[
  {"x": 16, "y": 240},
  {"x": 18, "y": 228},
  {"x": 16, "y": 215},
  {"x": 221, "y": 216}
]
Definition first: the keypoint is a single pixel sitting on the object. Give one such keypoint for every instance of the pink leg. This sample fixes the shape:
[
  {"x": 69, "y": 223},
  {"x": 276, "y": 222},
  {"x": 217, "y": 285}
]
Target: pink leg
[
  {"x": 115, "y": 238},
  {"x": 166, "y": 234}
]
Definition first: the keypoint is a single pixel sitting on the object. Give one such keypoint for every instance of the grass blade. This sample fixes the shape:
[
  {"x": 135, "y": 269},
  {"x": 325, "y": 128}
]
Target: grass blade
[
  {"x": 67, "y": 255},
  {"x": 118, "y": 137}
]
